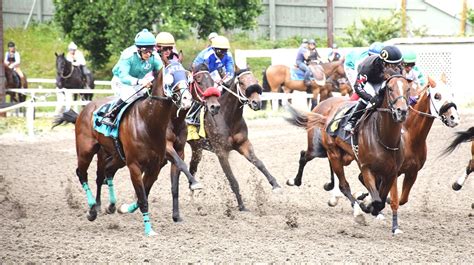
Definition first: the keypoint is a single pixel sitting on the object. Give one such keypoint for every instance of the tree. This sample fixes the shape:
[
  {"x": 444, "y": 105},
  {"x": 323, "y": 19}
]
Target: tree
[{"x": 107, "y": 26}]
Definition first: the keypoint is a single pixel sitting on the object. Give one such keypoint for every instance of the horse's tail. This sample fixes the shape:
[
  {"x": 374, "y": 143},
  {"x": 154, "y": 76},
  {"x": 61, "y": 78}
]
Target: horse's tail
[
  {"x": 65, "y": 117},
  {"x": 265, "y": 85},
  {"x": 464, "y": 136},
  {"x": 306, "y": 120}
]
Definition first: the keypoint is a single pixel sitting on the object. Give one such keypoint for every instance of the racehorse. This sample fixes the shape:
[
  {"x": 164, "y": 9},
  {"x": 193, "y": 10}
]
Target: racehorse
[
  {"x": 70, "y": 76},
  {"x": 142, "y": 132},
  {"x": 333, "y": 76},
  {"x": 13, "y": 81},
  {"x": 228, "y": 131},
  {"x": 380, "y": 147},
  {"x": 464, "y": 136},
  {"x": 203, "y": 91}
]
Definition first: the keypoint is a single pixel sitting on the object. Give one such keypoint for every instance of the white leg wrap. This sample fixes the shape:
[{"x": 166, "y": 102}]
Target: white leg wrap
[{"x": 461, "y": 179}]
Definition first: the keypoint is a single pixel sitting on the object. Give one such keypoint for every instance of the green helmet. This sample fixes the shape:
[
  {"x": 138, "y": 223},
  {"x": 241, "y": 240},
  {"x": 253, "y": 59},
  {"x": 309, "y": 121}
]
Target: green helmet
[{"x": 409, "y": 56}]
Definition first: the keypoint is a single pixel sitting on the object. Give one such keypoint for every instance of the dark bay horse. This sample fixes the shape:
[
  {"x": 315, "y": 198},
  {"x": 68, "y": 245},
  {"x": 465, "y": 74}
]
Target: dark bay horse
[
  {"x": 463, "y": 137},
  {"x": 228, "y": 131},
  {"x": 278, "y": 77},
  {"x": 142, "y": 133},
  {"x": 13, "y": 81},
  {"x": 380, "y": 146},
  {"x": 70, "y": 76}
]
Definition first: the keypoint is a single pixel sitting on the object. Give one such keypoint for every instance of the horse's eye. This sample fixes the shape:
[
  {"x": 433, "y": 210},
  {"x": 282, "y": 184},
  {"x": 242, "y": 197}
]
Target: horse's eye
[{"x": 437, "y": 96}]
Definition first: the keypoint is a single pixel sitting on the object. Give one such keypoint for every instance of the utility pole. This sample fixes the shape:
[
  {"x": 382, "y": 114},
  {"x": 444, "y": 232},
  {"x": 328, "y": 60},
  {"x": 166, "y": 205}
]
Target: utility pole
[
  {"x": 463, "y": 18},
  {"x": 330, "y": 22},
  {"x": 2, "y": 69},
  {"x": 403, "y": 10}
]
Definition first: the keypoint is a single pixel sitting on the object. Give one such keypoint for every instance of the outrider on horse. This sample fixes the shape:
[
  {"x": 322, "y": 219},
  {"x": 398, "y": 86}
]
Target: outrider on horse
[
  {"x": 227, "y": 130},
  {"x": 70, "y": 76},
  {"x": 14, "y": 81}
]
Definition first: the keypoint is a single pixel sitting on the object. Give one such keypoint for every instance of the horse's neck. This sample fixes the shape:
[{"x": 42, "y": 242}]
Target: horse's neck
[
  {"x": 156, "y": 111},
  {"x": 389, "y": 131},
  {"x": 418, "y": 126},
  {"x": 231, "y": 106}
]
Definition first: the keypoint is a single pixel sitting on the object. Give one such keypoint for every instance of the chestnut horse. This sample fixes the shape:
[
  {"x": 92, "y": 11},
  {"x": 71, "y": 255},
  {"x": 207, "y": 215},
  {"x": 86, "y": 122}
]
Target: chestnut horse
[
  {"x": 380, "y": 150},
  {"x": 278, "y": 76},
  {"x": 142, "y": 132},
  {"x": 203, "y": 91},
  {"x": 228, "y": 131},
  {"x": 13, "y": 81},
  {"x": 464, "y": 136}
]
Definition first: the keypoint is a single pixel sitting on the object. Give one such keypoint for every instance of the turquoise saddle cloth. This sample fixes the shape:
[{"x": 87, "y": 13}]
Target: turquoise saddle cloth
[
  {"x": 297, "y": 74},
  {"x": 103, "y": 128}
]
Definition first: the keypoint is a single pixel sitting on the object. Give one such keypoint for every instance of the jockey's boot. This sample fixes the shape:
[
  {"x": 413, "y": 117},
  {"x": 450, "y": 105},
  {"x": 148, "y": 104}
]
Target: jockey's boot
[
  {"x": 109, "y": 117},
  {"x": 355, "y": 116},
  {"x": 307, "y": 81}
]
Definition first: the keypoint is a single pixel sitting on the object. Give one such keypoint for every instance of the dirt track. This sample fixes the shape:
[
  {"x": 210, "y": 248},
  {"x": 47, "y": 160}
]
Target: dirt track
[{"x": 43, "y": 209}]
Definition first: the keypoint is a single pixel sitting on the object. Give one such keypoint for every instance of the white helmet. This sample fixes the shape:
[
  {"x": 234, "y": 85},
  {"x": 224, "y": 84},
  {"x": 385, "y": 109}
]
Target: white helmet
[
  {"x": 72, "y": 46},
  {"x": 212, "y": 36}
]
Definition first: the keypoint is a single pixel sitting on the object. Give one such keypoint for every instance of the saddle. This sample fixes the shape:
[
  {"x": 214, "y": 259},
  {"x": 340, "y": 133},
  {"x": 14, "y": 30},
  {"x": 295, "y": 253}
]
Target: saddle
[
  {"x": 298, "y": 74},
  {"x": 335, "y": 127}
]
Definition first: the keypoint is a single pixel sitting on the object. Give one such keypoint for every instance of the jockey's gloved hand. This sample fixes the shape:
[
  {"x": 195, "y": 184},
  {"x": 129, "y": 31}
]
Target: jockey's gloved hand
[{"x": 144, "y": 82}]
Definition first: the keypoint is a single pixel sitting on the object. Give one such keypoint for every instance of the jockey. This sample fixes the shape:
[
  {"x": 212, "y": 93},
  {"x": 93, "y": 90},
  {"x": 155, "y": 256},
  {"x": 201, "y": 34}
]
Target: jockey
[
  {"x": 219, "y": 60},
  {"x": 413, "y": 71},
  {"x": 12, "y": 59},
  {"x": 353, "y": 59},
  {"x": 76, "y": 57},
  {"x": 370, "y": 79},
  {"x": 334, "y": 55},
  {"x": 165, "y": 47},
  {"x": 133, "y": 72},
  {"x": 312, "y": 53},
  {"x": 301, "y": 57},
  {"x": 211, "y": 36}
]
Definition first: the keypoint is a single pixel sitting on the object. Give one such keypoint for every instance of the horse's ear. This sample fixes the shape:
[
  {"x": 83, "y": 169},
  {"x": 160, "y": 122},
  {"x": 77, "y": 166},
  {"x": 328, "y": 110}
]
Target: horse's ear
[
  {"x": 180, "y": 56},
  {"x": 236, "y": 68},
  {"x": 55, "y": 53}
]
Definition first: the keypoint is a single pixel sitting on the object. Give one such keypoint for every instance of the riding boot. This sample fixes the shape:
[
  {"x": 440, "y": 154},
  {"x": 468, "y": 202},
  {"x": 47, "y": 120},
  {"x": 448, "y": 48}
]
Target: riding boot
[
  {"x": 355, "y": 116},
  {"x": 307, "y": 80},
  {"x": 109, "y": 117}
]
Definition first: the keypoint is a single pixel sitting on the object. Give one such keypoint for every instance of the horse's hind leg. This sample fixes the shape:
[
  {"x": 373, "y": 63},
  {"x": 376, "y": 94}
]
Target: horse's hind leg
[
  {"x": 394, "y": 205},
  {"x": 177, "y": 160},
  {"x": 246, "y": 149},
  {"x": 234, "y": 185},
  {"x": 84, "y": 160},
  {"x": 174, "y": 174}
]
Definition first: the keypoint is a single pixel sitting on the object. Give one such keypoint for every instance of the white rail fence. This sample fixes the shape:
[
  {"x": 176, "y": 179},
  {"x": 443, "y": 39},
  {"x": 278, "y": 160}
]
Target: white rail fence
[{"x": 38, "y": 97}]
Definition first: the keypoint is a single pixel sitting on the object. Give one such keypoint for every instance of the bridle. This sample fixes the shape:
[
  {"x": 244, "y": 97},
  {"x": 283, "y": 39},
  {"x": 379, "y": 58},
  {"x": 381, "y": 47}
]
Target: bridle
[
  {"x": 445, "y": 107},
  {"x": 64, "y": 62},
  {"x": 243, "y": 99},
  {"x": 201, "y": 93},
  {"x": 391, "y": 103}
]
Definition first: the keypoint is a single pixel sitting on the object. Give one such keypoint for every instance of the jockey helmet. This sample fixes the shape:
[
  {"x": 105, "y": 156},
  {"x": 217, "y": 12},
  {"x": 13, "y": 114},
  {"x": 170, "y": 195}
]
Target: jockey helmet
[
  {"x": 144, "y": 38},
  {"x": 304, "y": 41},
  {"x": 212, "y": 36},
  {"x": 409, "y": 56},
  {"x": 391, "y": 54},
  {"x": 311, "y": 41},
  {"x": 72, "y": 46},
  {"x": 165, "y": 39},
  {"x": 375, "y": 48},
  {"x": 11, "y": 44},
  {"x": 220, "y": 42}
]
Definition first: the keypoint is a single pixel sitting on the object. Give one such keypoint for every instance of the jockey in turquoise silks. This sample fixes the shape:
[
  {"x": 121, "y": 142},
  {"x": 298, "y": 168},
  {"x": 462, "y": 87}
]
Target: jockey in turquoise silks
[
  {"x": 134, "y": 71},
  {"x": 219, "y": 60}
]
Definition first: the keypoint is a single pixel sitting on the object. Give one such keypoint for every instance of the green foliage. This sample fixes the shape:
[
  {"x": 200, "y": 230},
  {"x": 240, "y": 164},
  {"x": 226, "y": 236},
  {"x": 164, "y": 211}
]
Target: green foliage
[
  {"x": 470, "y": 15},
  {"x": 107, "y": 26},
  {"x": 379, "y": 29}
]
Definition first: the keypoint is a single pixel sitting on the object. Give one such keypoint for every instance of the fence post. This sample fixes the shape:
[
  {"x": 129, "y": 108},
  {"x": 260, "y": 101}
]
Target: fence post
[{"x": 30, "y": 119}]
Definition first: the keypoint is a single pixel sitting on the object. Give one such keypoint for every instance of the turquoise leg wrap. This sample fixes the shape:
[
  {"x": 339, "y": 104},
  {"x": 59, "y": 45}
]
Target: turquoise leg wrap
[
  {"x": 90, "y": 198},
  {"x": 133, "y": 207},
  {"x": 146, "y": 220},
  {"x": 112, "y": 198}
]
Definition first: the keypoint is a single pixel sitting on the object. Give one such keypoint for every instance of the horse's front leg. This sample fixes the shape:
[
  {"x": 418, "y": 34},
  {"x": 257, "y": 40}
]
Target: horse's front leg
[
  {"x": 408, "y": 181},
  {"x": 196, "y": 156},
  {"x": 246, "y": 149},
  {"x": 369, "y": 180},
  {"x": 234, "y": 185},
  {"x": 394, "y": 205},
  {"x": 176, "y": 157}
]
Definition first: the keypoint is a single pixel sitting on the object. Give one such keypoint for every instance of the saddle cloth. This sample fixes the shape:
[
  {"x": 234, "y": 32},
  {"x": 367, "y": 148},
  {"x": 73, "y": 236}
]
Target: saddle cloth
[
  {"x": 195, "y": 132},
  {"x": 298, "y": 74},
  {"x": 104, "y": 129},
  {"x": 335, "y": 127}
]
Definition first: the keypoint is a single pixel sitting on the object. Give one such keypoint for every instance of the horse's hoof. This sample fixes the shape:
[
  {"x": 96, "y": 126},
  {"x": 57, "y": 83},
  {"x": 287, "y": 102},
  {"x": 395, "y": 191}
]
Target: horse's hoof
[
  {"x": 389, "y": 200},
  {"x": 290, "y": 182},
  {"x": 397, "y": 231},
  {"x": 366, "y": 209},
  {"x": 328, "y": 186},
  {"x": 151, "y": 233},
  {"x": 333, "y": 201},
  {"x": 277, "y": 189},
  {"x": 123, "y": 208},
  {"x": 111, "y": 209},
  {"x": 196, "y": 186},
  {"x": 243, "y": 209},
  {"x": 472, "y": 205},
  {"x": 456, "y": 186},
  {"x": 380, "y": 217},
  {"x": 92, "y": 215},
  {"x": 177, "y": 219}
]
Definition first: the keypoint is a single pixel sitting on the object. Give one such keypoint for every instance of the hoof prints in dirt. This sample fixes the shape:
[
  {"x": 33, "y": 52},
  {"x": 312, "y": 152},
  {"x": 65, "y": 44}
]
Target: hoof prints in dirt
[{"x": 11, "y": 208}]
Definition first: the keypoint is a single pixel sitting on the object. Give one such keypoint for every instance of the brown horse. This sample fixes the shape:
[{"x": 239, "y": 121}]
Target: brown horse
[
  {"x": 14, "y": 81},
  {"x": 464, "y": 136},
  {"x": 277, "y": 77},
  {"x": 142, "y": 133},
  {"x": 380, "y": 149},
  {"x": 227, "y": 131}
]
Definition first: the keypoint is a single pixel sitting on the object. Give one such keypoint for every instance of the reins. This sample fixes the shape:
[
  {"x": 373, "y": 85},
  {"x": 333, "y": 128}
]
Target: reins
[
  {"x": 239, "y": 95},
  {"x": 70, "y": 72}
]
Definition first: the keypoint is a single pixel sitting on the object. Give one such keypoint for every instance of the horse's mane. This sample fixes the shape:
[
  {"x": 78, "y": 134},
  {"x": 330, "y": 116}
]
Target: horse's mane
[
  {"x": 241, "y": 71},
  {"x": 201, "y": 67}
]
